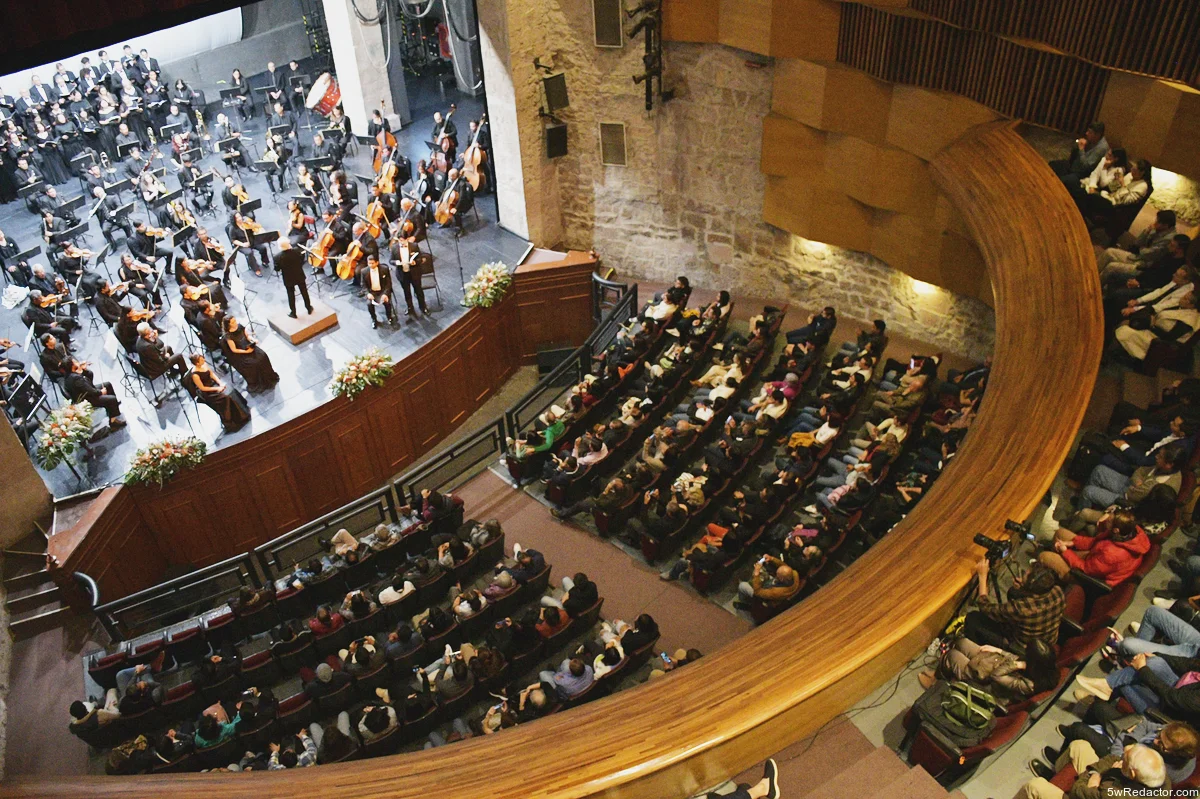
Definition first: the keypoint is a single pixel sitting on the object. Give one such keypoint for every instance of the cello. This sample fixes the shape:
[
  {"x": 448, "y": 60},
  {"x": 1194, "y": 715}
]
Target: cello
[
  {"x": 355, "y": 253},
  {"x": 446, "y": 205},
  {"x": 383, "y": 138}
]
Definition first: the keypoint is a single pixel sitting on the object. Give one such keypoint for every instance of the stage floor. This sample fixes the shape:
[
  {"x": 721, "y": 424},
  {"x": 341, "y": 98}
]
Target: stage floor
[{"x": 304, "y": 370}]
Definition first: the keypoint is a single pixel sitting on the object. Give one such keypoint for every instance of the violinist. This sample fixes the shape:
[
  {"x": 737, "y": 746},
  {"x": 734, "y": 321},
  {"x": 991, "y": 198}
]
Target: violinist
[
  {"x": 110, "y": 219},
  {"x": 206, "y": 248},
  {"x": 377, "y": 281},
  {"x": 408, "y": 272},
  {"x": 308, "y": 186},
  {"x": 107, "y": 302},
  {"x": 298, "y": 232},
  {"x": 150, "y": 186},
  {"x": 176, "y": 217},
  {"x": 126, "y": 327},
  {"x": 241, "y": 230},
  {"x": 198, "y": 275},
  {"x": 72, "y": 265},
  {"x": 66, "y": 301},
  {"x": 207, "y": 324},
  {"x": 140, "y": 279},
  {"x": 42, "y": 320},
  {"x": 79, "y": 385},
  {"x": 189, "y": 302},
  {"x": 234, "y": 194},
  {"x": 40, "y": 281},
  {"x": 146, "y": 246},
  {"x": 55, "y": 360},
  {"x": 343, "y": 193}
]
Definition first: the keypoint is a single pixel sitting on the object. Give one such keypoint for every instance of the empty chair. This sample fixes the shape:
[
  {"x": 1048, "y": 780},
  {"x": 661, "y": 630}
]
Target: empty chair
[
  {"x": 187, "y": 645},
  {"x": 260, "y": 669},
  {"x": 103, "y": 668},
  {"x": 295, "y": 712},
  {"x": 336, "y": 702}
]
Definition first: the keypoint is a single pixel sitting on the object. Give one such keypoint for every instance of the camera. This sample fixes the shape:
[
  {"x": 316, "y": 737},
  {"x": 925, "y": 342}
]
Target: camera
[
  {"x": 1019, "y": 529},
  {"x": 996, "y": 550}
]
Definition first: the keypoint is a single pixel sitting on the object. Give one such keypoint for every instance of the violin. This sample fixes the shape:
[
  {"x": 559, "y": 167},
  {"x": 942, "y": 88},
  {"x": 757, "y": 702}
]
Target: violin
[
  {"x": 335, "y": 192},
  {"x": 155, "y": 233},
  {"x": 306, "y": 180},
  {"x": 183, "y": 215},
  {"x": 212, "y": 245},
  {"x": 240, "y": 192},
  {"x": 75, "y": 252},
  {"x": 250, "y": 225}
]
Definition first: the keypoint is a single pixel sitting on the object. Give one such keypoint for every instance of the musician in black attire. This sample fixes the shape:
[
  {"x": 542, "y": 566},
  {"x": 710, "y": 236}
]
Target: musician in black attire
[
  {"x": 55, "y": 360},
  {"x": 274, "y": 87},
  {"x": 147, "y": 249},
  {"x": 341, "y": 230},
  {"x": 40, "y": 281},
  {"x": 281, "y": 116},
  {"x": 187, "y": 176},
  {"x": 408, "y": 271},
  {"x": 227, "y": 128},
  {"x": 294, "y": 88},
  {"x": 134, "y": 164},
  {"x": 25, "y": 174},
  {"x": 107, "y": 302},
  {"x": 241, "y": 241},
  {"x": 126, "y": 330},
  {"x": 196, "y": 274},
  {"x": 410, "y": 224},
  {"x": 290, "y": 264},
  {"x": 377, "y": 281},
  {"x": 444, "y": 127},
  {"x": 141, "y": 280},
  {"x": 18, "y": 271},
  {"x": 43, "y": 320},
  {"x": 323, "y": 148},
  {"x": 465, "y": 202},
  {"x": 48, "y": 202},
  {"x": 155, "y": 357},
  {"x": 79, "y": 385},
  {"x": 207, "y": 324}
]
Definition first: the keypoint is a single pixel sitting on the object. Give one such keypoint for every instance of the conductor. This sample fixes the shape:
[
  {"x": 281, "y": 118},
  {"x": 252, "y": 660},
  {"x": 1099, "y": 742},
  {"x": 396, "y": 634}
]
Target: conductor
[{"x": 290, "y": 263}]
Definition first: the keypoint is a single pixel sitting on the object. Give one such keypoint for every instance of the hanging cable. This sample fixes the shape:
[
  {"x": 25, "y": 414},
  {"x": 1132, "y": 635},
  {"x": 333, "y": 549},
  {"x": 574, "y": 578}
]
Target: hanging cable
[
  {"x": 380, "y": 8},
  {"x": 405, "y": 11},
  {"x": 454, "y": 28},
  {"x": 454, "y": 61}
]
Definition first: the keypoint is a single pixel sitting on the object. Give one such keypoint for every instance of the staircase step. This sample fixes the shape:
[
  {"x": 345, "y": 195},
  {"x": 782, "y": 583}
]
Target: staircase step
[
  {"x": 39, "y": 596},
  {"x": 916, "y": 784},
  {"x": 811, "y": 762},
  {"x": 29, "y": 625},
  {"x": 23, "y": 572},
  {"x": 22, "y": 553},
  {"x": 869, "y": 776}
]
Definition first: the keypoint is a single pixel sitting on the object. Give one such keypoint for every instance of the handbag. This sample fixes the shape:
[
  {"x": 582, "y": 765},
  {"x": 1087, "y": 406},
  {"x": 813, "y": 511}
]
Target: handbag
[{"x": 969, "y": 706}]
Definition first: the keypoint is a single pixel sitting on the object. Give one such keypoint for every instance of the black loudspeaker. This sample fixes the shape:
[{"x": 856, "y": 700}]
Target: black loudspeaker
[
  {"x": 549, "y": 360},
  {"x": 556, "y": 139},
  {"x": 555, "y": 87},
  {"x": 607, "y": 17}
]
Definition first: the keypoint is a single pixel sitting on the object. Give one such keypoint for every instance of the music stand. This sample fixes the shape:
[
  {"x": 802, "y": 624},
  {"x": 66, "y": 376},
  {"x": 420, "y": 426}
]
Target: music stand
[
  {"x": 80, "y": 164},
  {"x": 121, "y": 185},
  {"x": 23, "y": 257},
  {"x": 304, "y": 82},
  {"x": 279, "y": 130},
  {"x": 124, "y": 149},
  {"x": 181, "y": 236},
  {"x": 250, "y": 207},
  {"x": 194, "y": 155},
  {"x": 314, "y": 164},
  {"x": 37, "y": 187},
  {"x": 154, "y": 290},
  {"x": 124, "y": 210},
  {"x": 102, "y": 256},
  {"x": 70, "y": 233},
  {"x": 227, "y": 97},
  {"x": 164, "y": 135},
  {"x": 166, "y": 198},
  {"x": 203, "y": 180},
  {"x": 73, "y": 204}
]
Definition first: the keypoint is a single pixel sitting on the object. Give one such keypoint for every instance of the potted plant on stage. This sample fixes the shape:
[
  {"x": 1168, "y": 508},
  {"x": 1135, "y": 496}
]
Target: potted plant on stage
[
  {"x": 372, "y": 368},
  {"x": 488, "y": 286},
  {"x": 162, "y": 460},
  {"x": 65, "y": 432}
]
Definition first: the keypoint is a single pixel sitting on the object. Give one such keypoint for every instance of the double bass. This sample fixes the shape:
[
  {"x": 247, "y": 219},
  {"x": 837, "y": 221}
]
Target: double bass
[
  {"x": 383, "y": 138},
  {"x": 473, "y": 157}
]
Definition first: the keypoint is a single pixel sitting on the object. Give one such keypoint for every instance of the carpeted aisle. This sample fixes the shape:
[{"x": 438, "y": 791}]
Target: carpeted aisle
[{"x": 629, "y": 586}]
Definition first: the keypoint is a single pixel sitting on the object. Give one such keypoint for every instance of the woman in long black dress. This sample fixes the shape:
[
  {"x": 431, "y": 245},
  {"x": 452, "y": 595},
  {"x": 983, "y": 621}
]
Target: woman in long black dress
[
  {"x": 213, "y": 392},
  {"x": 241, "y": 100},
  {"x": 90, "y": 130},
  {"x": 244, "y": 354},
  {"x": 109, "y": 118},
  {"x": 53, "y": 165},
  {"x": 133, "y": 113},
  {"x": 70, "y": 142}
]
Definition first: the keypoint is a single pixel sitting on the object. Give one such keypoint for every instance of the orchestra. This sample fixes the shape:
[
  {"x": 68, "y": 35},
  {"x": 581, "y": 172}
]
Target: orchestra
[{"x": 94, "y": 131}]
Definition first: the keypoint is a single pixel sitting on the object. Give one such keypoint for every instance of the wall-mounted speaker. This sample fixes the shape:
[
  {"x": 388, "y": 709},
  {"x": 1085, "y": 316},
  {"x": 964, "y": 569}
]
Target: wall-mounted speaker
[
  {"x": 556, "y": 92},
  {"x": 556, "y": 139},
  {"x": 612, "y": 144},
  {"x": 607, "y": 17}
]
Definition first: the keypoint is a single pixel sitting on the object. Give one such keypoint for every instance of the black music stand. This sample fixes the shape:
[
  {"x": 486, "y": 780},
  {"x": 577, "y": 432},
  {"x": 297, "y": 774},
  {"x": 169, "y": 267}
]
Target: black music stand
[
  {"x": 227, "y": 97},
  {"x": 166, "y": 198},
  {"x": 37, "y": 187},
  {"x": 124, "y": 149},
  {"x": 24, "y": 256},
  {"x": 250, "y": 207},
  {"x": 73, "y": 204},
  {"x": 70, "y": 234},
  {"x": 102, "y": 259},
  {"x": 304, "y": 82},
  {"x": 167, "y": 131},
  {"x": 230, "y": 154},
  {"x": 279, "y": 130},
  {"x": 80, "y": 164},
  {"x": 180, "y": 237},
  {"x": 195, "y": 154},
  {"x": 121, "y": 185},
  {"x": 198, "y": 185},
  {"x": 315, "y": 164}
]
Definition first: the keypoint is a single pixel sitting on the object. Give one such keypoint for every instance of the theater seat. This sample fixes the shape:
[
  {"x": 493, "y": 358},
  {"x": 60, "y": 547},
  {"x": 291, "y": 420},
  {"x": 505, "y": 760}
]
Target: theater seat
[{"x": 946, "y": 762}]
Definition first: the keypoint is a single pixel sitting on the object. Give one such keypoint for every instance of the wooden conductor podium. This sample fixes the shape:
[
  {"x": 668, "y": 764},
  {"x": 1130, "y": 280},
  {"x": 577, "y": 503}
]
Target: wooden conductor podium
[
  {"x": 305, "y": 325},
  {"x": 554, "y": 300}
]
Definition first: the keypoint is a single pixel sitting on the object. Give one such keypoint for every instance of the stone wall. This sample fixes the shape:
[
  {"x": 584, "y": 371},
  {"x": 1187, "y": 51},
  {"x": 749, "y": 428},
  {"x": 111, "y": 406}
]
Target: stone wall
[{"x": 690, "y": 200}]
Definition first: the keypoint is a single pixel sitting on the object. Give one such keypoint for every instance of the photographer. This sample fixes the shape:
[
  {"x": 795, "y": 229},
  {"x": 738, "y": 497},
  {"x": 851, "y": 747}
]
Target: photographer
[{"x": 1033, "y": 610}]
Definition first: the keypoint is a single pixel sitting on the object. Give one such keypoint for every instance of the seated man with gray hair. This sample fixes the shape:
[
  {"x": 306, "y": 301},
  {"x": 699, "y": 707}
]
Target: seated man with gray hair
[{"x": 1138, "y": 771}]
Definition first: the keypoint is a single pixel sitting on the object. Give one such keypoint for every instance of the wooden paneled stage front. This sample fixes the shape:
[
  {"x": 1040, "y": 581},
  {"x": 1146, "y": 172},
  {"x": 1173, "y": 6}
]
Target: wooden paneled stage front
[{"x": 247, "y": 494}]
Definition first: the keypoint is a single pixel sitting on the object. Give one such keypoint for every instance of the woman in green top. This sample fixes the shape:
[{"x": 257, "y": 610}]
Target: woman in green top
[
  {"x": 538, "y": 441},
  {"x": 213, "y": 731}
]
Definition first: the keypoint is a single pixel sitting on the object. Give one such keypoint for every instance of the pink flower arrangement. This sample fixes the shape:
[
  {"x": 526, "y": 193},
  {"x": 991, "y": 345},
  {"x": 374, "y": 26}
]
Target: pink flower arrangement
[{"x": 372, "y": 368}]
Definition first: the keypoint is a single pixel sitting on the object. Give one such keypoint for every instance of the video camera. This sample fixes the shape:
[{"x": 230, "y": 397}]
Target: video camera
[{"x": 999, "y": 549}]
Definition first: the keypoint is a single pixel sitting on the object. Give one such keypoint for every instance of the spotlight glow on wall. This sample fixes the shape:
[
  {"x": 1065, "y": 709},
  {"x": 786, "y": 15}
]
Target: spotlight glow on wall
[{"x": 923, "y": 288}]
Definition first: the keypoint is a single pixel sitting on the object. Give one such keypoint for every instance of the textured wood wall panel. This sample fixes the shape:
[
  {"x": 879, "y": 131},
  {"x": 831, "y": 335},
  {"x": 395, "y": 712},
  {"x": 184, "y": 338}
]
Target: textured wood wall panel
[
  {"x": 1156, "y": 37},
  {"x": 1034, "y": 84}
]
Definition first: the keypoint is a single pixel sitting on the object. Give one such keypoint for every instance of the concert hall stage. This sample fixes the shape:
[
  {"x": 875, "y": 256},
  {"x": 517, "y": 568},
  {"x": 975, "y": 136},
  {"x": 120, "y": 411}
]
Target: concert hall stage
[{"x": 304, "y": 370}]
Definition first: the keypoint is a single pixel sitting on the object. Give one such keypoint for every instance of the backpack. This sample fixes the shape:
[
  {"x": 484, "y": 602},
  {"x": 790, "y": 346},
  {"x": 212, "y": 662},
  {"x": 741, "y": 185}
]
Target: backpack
[
  {"x": 969, "y": 706},
  {"x": 935, "y": 708}
]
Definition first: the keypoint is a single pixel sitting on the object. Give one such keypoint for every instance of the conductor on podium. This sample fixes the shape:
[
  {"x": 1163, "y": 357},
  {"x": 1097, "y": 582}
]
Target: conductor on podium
[{"x": 290, "y": 263}]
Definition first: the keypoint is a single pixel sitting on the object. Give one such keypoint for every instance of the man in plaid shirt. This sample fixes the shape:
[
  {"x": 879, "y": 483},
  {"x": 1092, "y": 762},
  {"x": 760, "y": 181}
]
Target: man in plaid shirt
[
  {"x": 1034, "y": 610},
  {"x": 292, "y": 759}
]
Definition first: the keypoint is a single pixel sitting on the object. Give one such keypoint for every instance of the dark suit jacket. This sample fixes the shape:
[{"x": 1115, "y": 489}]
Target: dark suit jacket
[
  {"x": 80, "y": 387},
  {"x": 385, "y": 280},
  {"x": 152, "y": 355},
  {"x": 290, "y": 264}
]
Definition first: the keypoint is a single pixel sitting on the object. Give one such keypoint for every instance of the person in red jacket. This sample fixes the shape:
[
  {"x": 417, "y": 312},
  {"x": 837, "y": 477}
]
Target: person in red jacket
[
  {"x": 1112, "y": 555},
  {"x": 326, "y": 621}
]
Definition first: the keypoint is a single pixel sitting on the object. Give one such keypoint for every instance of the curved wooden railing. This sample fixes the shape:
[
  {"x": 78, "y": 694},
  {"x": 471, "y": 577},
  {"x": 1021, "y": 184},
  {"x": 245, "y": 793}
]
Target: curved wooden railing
[{"x": 785, "y": 679}]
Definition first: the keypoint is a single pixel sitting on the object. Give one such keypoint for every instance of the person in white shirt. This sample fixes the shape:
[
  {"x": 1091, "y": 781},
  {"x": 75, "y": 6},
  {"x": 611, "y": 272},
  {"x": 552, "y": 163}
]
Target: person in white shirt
[
  {"x": 1109, "y": 174},
  {"x": 1099, "y": 203},
  {"x": 1165, "y": 298},
  {"x": 874, "y": 432},
  {"x": 1177, "y": 323}
]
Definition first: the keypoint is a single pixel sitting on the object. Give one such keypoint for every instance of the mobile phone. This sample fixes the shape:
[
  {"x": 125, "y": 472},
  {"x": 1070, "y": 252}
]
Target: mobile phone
[{"x": 667, "y": 659}]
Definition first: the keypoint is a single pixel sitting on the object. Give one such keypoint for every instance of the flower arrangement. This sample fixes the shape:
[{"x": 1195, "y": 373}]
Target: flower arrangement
[
  {"x": 488, "y": 286},
  {"x": 162, "y": 460},
  {"x": 63, "y": 433},
  {"x": 369, "y": 369}
]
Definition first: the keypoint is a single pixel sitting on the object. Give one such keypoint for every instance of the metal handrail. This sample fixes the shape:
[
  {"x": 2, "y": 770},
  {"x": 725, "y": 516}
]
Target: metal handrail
[{"x": 409, "y": 485}]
